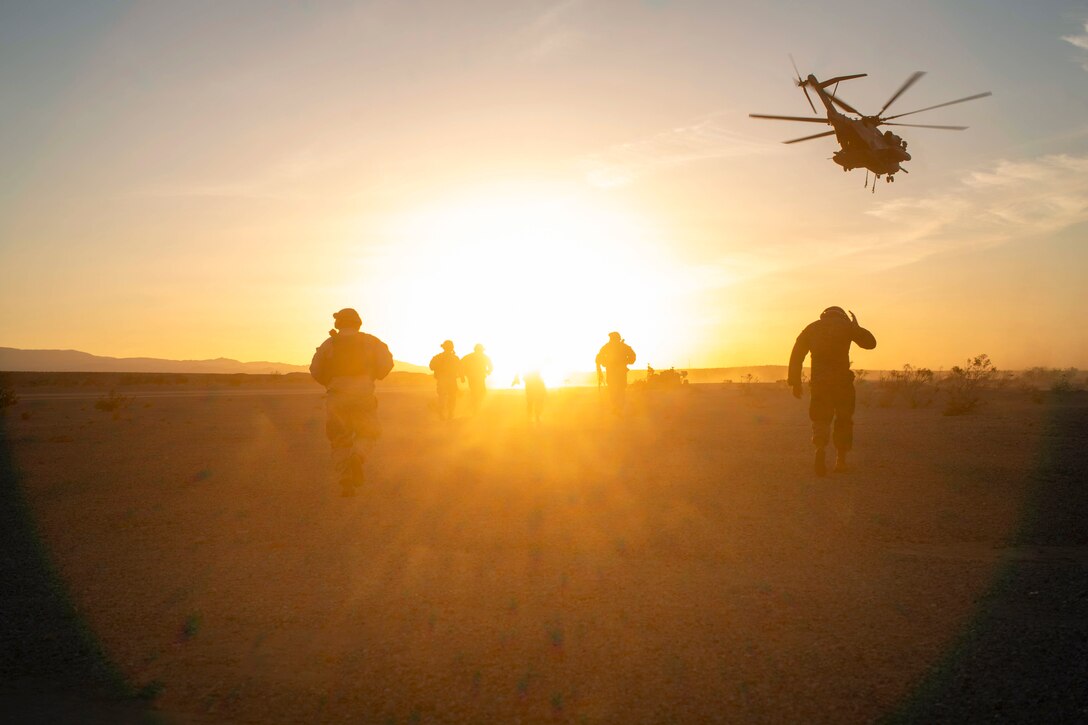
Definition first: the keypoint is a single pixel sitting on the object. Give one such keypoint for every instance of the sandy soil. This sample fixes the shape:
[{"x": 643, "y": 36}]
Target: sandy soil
[{"x": 678, "y": 565}]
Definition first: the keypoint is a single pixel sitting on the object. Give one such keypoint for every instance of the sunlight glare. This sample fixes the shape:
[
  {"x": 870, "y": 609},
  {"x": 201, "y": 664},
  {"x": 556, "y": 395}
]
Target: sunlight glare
[{"x": 539, "y": 279}]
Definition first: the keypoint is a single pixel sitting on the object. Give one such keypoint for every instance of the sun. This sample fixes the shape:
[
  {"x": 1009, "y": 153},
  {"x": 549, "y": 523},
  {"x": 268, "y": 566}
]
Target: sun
[{"x": 538, "y": 278}]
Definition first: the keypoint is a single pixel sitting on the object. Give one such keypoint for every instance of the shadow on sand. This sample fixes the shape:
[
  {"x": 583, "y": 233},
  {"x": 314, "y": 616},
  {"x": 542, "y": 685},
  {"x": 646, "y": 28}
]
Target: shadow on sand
[
  {"x": 52, "y": 669},
  {"x": 1024, "y": 657}
]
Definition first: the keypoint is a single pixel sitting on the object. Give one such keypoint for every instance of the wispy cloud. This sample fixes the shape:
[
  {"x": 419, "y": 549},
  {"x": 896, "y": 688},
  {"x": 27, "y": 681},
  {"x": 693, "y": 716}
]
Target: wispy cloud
[
  {"x": 1008, "y": 200},
  {"x": 1003, "y": 202},
  {"x": 1080, "y": 41},
  {"x": 708, "y": 138}
]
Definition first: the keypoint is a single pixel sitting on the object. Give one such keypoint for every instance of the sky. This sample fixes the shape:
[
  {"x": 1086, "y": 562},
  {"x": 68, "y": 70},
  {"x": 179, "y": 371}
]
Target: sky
[{"x": 214, "y": 179}]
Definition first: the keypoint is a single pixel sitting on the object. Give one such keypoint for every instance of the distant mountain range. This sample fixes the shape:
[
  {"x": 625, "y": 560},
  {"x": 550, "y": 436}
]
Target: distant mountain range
[
  {"x": 62, "y": 361},
  {"x": 74, "y": 361}
]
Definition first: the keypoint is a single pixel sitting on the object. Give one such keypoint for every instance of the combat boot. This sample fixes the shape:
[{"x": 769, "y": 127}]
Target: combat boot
[{"x": 819, "y": 465}]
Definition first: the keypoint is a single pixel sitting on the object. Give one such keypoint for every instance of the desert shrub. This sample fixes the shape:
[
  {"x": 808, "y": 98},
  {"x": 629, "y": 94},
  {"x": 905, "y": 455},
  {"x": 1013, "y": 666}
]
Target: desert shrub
[
  {"x": 749, "y": 383},
  {"x": 113, "y": 401},
  {"x": 1065, "y": 381},
  {"x": 1035, "y": 382},
  {"x": 913, "y": 385},
  {"x": 860, "y": 376},
  {"x": 964, "y": 385},
  {"x": 7, "y": 397}
]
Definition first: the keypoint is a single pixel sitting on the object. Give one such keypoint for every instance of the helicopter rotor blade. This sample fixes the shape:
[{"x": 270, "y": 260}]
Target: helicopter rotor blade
[
  {"x": 809, "y": 138},
  {"x": 843, "y": 104},
  {"x": 794, "y": 64},
  {"x": 940, "y": 105},
  {"x": 902, "y": 89},
  {"x": 809, "y": 99},
  {"x": 805, "y": 119},
  {"x": 926, "y": 125}
]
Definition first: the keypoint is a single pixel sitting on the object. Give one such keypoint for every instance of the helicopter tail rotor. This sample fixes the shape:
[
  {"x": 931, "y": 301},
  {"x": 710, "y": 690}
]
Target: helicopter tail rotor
[{"x": 802, "y": 84}]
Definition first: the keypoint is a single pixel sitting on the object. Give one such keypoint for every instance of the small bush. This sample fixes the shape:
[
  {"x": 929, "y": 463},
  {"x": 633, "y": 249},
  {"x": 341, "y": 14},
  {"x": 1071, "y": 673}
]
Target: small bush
[
  {"x": 1065, "y": 382},
  {"x": 749, "y": 383},
  {"x": 913, "y": 385},
  {"x": 1038, "y": 380},
  {"x": 7, "y": 398},
  {"x": 964, "y": 385}
]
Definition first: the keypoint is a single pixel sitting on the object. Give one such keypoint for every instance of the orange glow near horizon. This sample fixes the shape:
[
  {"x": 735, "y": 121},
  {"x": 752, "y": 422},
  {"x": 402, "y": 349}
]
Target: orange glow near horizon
[{"x": 539, "y": 278}]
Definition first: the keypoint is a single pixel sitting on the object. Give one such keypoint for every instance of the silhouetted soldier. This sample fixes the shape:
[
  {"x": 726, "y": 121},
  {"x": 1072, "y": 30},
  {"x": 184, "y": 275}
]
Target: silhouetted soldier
[
  {"x": 832, "y": 386},
  {"x": 347, "y": 364},
  {"x": 447, "y": 371},
  {"x": 535, "y": 395},
  {"x": 615, "y": 356},
  {"x": 476, "y": 367}
]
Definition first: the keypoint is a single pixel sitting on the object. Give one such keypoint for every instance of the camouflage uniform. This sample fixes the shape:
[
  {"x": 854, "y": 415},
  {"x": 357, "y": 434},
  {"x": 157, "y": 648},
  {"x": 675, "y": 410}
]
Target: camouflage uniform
[
  {"x": 347, "y": 364},
  {"x": 615, "y": 356},
  {"x": 832, "y": 386}
]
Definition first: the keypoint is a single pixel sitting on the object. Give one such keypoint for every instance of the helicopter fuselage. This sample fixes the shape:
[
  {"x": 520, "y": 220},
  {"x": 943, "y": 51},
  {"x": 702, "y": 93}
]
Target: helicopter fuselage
[{"x": 862, "y": 145}]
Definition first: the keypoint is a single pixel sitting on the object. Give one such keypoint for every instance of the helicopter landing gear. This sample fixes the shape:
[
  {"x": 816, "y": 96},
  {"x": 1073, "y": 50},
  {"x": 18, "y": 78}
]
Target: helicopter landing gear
[{"x": 876, "y": 178}]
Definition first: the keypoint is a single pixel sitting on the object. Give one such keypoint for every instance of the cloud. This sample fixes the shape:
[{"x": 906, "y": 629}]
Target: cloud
[
  {"x": 1079, "y": 41},
  {"x": 1008, "y": 200},
  {"x": 708, "y": 138}
]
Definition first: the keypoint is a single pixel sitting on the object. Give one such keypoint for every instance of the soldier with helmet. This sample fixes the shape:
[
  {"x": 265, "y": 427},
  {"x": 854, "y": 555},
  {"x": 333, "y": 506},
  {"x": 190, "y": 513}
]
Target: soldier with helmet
[
  {"x": 476, "y": 367},
  {"x": 832, "y": 387},
  {"x": 615, "y": 356},
  {"x": 447, "y": 371},
  {"x": 347, "y": 364}
]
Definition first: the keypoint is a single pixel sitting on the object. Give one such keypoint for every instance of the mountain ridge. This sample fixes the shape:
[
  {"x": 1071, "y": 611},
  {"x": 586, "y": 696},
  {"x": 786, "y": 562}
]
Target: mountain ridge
[{"x": 60, "y": 361}]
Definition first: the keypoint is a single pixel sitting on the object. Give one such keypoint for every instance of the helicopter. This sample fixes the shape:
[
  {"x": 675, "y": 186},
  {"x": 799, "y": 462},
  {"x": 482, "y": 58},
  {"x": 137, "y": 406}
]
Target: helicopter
[{"x": 862, "y": 144}]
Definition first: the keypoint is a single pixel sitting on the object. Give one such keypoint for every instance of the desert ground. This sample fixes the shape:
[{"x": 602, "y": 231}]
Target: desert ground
[{"x": 188, "y": 558}]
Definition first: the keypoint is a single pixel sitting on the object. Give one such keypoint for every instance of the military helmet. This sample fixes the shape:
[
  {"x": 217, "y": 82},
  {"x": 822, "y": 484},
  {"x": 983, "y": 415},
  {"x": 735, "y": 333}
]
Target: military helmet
[
  {"x": 347, "y": 317},
  {"x": 834, "y": 312}
]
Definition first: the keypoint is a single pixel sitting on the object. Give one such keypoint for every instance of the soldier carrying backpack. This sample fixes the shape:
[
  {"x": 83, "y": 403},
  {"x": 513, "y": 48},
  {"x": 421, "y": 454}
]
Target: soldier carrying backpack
[{"x": 347, "y": 364}]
